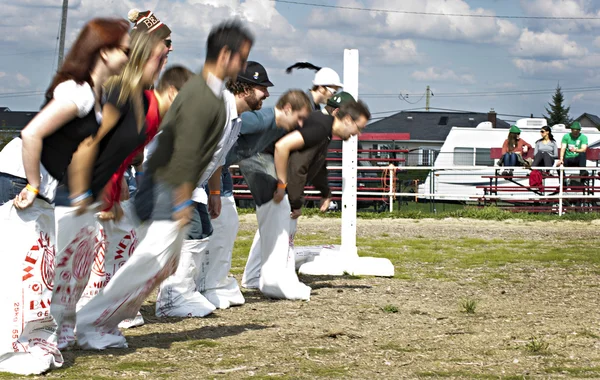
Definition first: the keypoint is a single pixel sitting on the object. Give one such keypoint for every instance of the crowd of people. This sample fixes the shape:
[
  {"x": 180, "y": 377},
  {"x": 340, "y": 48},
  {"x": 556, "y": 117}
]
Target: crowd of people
[
  {"x": 121, "y": 184},
  {"x": 547, "y": 152}
]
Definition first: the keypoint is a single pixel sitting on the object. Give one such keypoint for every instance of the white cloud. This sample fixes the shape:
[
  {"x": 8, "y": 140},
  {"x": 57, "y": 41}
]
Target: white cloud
[
  {"x": 394, "y": 25},
  {"x": 397, "y": 52},
  {"x": 547, "y": 44},
  {"x": 442, "y": 75},
  {"x": 597, "y": 42},
  {"x": 563, "y": 8},
  {"x": 533, "y": 67},
  {"x": 577, "y": 97},
  {"x": 22, "y": 80}
]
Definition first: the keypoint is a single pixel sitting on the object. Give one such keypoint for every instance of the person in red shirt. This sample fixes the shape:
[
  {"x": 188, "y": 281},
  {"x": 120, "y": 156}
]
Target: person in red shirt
[
  {"x": 514, "y": 149},
  {"x": 159, "y": 100}
]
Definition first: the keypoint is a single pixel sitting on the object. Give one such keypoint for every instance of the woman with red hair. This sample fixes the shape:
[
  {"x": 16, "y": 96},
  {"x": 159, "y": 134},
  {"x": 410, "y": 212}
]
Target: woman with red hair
[{"x": 31, "y": 167}]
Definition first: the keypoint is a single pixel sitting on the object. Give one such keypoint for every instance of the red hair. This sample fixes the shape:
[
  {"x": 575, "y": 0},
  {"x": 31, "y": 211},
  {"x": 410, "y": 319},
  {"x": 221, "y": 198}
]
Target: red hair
[{"x": 97, "y": 34}]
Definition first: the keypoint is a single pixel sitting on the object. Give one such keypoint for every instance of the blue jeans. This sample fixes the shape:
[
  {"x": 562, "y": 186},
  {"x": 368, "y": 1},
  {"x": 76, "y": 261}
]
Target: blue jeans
[
  {"x": 259, "y": 173},
  {"x": 10, "y": 187},
  {"x": 510, "y": 159},
  {"x": 226, "y": 182},
  {"x": 154, "y": 200},
  {"x": 200, "y": 226}
]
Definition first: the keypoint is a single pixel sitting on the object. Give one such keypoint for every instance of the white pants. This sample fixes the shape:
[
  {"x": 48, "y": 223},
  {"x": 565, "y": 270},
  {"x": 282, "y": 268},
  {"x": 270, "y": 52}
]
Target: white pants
[
  {"x": 271, "y": 260},
  {"x": 155, "y": 259}
]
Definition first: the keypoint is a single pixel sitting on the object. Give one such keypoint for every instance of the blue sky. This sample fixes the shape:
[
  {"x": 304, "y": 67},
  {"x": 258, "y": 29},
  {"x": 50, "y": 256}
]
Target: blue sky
[{"x": 400, "y": 53}]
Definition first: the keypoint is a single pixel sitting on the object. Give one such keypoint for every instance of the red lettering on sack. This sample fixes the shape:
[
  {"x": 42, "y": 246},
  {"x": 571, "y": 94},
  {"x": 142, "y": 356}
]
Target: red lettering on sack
[
  {"x": 99, "y": 259},
  {"x": 30, "y": 260},
  {"x": 48, "y": 256},
  {"x": 37, "y": 304},
  {"x": 82, "y": 262}
]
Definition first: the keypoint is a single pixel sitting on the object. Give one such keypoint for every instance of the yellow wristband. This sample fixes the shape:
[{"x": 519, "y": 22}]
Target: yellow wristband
[
  {"x": 215, "y": 192},
  {"x": 32, "y": 189}
]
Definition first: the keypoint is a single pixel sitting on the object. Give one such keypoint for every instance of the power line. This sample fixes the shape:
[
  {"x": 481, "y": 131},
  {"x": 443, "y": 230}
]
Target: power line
[{"x": 435, "y": 13}]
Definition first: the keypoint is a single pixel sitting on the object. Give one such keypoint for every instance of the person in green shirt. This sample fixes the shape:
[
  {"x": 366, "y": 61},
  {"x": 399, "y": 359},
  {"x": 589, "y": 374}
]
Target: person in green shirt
[{"x": 573, "y": 147}]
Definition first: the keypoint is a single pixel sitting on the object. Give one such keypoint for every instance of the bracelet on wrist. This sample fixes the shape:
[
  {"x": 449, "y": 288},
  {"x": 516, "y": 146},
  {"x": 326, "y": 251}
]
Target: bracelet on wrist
[
  {"x": 281, "y": 185},
  {"x": 215, "y": 192},
  {"x": 183, "y": 205},
  {"x": 81, "y": 197},
  {"x": 32, "y": 189}
]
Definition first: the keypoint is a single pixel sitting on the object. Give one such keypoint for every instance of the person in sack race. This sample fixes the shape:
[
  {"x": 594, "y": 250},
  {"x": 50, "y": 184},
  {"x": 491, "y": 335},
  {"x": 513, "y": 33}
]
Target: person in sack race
[
  {"x": 309, "y": 163},
  {"x": 190, "y": 133},
  {"x": 122, "y": 131},
  {"x": 325, "y": 84},
  {"x": 201, "y": 282},
  {"x": 30, "y": 169},
  {"x": 118, "y": 230}
]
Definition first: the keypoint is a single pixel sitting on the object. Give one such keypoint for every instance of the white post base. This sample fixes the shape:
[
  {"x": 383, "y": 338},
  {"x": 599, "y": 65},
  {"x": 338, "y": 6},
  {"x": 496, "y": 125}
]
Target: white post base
[{"x": 333, "y": 261}]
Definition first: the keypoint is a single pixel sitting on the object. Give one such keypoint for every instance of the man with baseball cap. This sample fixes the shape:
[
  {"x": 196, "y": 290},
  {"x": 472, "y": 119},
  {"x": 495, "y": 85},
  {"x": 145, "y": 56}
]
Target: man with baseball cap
[
  {"x": 573, "y": 147},
  {"x": 201, "y": 283}
]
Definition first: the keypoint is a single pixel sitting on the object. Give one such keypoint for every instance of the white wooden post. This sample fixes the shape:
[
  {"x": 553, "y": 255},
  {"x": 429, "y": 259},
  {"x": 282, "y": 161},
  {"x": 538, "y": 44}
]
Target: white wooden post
[{"x": 349, "y": 161}]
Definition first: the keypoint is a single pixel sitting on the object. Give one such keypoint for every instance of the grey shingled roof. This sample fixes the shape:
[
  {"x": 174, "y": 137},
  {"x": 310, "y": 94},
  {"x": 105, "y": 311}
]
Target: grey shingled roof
[
  {"x": 593, "y": 118},
  {"x": 430, "y": 125}
]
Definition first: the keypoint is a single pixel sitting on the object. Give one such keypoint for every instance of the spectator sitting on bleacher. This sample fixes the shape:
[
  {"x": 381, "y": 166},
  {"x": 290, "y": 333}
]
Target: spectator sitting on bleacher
[
  {"x": 513, "y": 150},
  {"x": 573, "y": 147},
  {"x": 546, "y": 149}
]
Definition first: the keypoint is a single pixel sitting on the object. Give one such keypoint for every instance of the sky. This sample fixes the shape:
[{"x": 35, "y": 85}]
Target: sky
[{"x": 470, "y": 63}]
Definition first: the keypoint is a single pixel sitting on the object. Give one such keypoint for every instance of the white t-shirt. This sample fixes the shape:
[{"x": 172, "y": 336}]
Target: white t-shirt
[{"x": 11, "y": 157}]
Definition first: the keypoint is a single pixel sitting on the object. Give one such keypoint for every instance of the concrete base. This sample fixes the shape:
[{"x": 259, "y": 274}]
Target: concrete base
[{"x": 331, "y": 261}]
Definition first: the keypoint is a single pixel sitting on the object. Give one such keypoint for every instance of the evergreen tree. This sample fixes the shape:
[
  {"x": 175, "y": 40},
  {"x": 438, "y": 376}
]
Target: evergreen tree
[{"x": 558, "y": 114}]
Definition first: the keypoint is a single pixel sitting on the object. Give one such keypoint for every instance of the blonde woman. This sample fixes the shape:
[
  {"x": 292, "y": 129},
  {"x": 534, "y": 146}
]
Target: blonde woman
[{"x": 122, "y": 130}]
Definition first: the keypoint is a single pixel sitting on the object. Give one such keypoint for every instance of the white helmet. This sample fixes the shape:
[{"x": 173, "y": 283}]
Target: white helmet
[{"x": 327, "y": 77}]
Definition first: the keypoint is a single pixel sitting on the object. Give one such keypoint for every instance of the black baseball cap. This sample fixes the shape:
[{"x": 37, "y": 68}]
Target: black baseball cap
[{"x": 256, "y": 74}]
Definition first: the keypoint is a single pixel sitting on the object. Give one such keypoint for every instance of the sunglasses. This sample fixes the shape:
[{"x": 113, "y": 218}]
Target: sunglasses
[
  {"x": 331, "y": 89},
  {"x": 168, "y": 43},
  {"x": 542, "y": 131}
]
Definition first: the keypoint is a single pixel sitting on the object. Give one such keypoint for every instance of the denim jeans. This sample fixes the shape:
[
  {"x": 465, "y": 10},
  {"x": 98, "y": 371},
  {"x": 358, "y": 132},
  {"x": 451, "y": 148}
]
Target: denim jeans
[
  {"x": 226, "y": 182},
  {"x": 510, "y": 159},
  {"x": 10, "y": 187},
  {"x": 200, "y": 226},
  {"x": 259, "y": 173},
  {"x": 154, "y": 200}
]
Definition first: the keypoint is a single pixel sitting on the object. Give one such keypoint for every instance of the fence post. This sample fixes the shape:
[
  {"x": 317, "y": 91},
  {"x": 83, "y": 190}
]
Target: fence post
[
  {"x": 560, "y": 189},
  {"x": 392, "y": 171}
]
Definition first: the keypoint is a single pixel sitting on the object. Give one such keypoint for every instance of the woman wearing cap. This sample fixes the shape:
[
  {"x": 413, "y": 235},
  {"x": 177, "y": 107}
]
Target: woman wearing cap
[
  {"x": 325, "y": 84},
  {"x": 30, "y": 168},
  {"x": 513, "y": 150},
  {"x": 123, "y": 129}
]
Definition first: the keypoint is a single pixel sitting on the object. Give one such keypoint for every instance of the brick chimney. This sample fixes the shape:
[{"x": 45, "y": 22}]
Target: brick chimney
[{"x": 492, "y": 117}]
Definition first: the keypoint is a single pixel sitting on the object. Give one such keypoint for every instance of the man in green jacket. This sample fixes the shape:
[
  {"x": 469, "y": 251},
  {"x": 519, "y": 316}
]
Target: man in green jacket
[{"x": 189, "y": 136}]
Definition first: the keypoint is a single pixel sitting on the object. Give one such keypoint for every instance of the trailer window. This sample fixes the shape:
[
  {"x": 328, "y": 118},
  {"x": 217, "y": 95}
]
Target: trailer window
[
  {"x": 482, "y": 157},
  {"x": 463, "y": 156}
]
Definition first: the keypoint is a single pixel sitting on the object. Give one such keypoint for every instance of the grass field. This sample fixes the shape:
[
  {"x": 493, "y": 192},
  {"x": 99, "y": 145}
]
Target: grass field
[{"x": 484, "y": 299}]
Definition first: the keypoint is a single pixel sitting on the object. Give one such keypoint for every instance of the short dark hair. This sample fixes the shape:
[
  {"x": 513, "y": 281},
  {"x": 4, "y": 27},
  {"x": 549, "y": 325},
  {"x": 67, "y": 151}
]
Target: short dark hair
[
  {"x": 354, "y": 109},
  {"x": 296, "y": 98},
  {"x": 237, "y": 87},
  {"x": 175, "y": 76},
  {"x": 231, "y": 34}
]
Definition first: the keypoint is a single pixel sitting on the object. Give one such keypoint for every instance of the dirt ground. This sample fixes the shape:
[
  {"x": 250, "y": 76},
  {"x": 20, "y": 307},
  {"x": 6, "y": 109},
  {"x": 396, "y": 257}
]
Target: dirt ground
[{"x": 531, "y": 321}]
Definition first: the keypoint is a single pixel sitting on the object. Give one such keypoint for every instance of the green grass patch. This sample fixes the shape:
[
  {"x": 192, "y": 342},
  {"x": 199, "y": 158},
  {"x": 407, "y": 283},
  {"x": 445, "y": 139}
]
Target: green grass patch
[
  {"x": 460, "y": 375},
  {"x": 136, "y": 366},
  {"x": 321, "y": 351},
  {"x": 391, "y": 309},
  {"x": 396, "y": 347},
  {"x": 202, "y": 343},
  {"x": 581, "y": 372}
]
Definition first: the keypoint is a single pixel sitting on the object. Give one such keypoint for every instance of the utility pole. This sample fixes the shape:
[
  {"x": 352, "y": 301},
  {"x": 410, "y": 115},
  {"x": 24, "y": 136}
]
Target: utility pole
[
  {"x": 63, "y": 29},
  {"x": 427, "y": 98}
]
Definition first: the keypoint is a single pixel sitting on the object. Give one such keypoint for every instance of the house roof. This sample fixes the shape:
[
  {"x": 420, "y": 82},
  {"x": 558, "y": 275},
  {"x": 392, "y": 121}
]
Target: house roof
[
  {"x": 593, "y": 118},
  {"x": 4, "y": 109},
  {"x": 15, "y": 120},
  {"x": 432, "y": 126}
]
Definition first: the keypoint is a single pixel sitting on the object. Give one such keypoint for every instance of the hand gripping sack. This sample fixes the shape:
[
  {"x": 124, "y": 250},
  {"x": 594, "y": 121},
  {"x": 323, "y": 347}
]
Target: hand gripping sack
[
  {"x": 278, "y": 278},
  {"x": 155, "y": 259},
  {"x": 213, "y": 279},
  {"x": 178, "y": 295},
  {"x": 117, "y": 241},
  {"x": 28, "y": 338},
  {"x": 76, "y": 243}
]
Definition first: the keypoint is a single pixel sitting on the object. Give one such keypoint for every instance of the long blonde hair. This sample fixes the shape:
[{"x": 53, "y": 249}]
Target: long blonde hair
[{"x": 130, "y": 80}]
